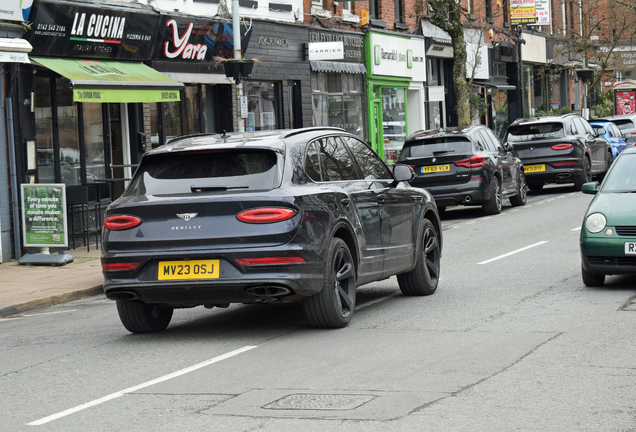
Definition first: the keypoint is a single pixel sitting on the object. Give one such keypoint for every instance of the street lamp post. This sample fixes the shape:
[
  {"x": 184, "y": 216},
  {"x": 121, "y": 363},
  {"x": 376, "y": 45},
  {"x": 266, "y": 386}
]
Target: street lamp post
[{"x": 519, "y": 40}]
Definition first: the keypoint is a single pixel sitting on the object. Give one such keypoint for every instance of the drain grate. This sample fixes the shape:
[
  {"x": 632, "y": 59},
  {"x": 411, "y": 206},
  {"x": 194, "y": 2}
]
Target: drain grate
[{"x": 319, "y": 402}]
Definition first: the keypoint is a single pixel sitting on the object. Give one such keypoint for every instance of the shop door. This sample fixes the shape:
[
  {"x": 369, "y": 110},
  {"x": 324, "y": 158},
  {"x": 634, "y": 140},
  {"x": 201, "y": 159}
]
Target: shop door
[
  {"x": 120, "y": 164},
  {"x": 378, "y": 132}
]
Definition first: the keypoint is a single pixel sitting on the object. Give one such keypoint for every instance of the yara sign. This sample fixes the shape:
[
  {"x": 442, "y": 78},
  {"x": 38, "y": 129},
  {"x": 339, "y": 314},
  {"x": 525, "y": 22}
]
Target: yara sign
[{"x": 184, "y": 49}]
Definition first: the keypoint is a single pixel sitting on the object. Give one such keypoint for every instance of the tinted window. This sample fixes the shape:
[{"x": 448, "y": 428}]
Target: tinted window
[
  {"x": 492, "y": 139},
  {"x": 601, "y": 130},
  {"x": 437, "y": 146},
  {"x": 335, "y": 160},
  {"x": 206, "y": 171},
  {"x": 578, "y": 126},
  {"x": 624, "y": 124},
  {"x": 535, "y": 132},
  {"x": 312, "y": 164},
  {"x": 482, "y": 142},
  {"x": 586, "y": 126},
  {"x": 370, "y": 164},
  {"x": 615, "y": 132},
  {"x": 622, "y": 177}
]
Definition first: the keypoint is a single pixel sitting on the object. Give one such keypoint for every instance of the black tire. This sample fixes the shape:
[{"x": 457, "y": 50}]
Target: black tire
[
  {"x": 143, "y": 318},
  {"x": 585, "y": 176},
  {"x": 591, "y": 279},
  {"x": 333, "y": 306},
  {"x": 493, "y": 205},
  {"x": 522, "y": 194},
  {"x": 423, "y": 279},
  {"x": 535, "y": 187}
]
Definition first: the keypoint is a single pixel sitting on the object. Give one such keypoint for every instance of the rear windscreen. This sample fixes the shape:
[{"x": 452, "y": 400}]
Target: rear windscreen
[
  {"x": 624, "y": 124},
  {"x": 437, "y": 146},
  {"x": 534, "y": 132},
  {"x": 208, "y": 171}
]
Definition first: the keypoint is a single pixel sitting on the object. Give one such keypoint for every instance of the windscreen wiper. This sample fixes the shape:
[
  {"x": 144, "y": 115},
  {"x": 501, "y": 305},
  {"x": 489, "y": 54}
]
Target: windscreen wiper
[{"x": 194, "y": 188}]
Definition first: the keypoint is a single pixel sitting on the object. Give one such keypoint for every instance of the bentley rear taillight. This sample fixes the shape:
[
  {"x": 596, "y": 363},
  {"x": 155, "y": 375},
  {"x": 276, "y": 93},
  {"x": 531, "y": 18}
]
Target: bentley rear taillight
[
  {"x": 265, "y": 215},
  {"x": 121, "y": 222}
]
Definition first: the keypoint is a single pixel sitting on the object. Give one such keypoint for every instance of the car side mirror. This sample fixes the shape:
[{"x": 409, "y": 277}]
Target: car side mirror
[
  {"x": 509, "y": 147},
  {"x": 590, "y": 188},
  {"x": 403, "y": 172}
]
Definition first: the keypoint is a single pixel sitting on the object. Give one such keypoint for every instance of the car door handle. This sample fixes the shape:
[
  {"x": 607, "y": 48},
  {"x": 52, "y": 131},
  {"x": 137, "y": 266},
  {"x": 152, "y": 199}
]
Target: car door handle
[
  {"x": 345, "y": 202},
  {"x": 380, "y": 197},
  {"x": 417, "y": 198}
]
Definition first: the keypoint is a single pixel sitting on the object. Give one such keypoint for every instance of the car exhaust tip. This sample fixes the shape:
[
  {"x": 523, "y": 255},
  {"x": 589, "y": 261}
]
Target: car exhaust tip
[
  {"x": 264, "y": 292},
  {"x": 468, "y": 198},
  {"x": 564, "y": 176},
  {"x": 122, "y": 295}
]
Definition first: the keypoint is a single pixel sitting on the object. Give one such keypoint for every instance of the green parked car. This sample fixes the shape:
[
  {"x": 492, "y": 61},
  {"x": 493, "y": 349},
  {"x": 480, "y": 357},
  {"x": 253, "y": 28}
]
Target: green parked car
[{"x": 608, "y": 235}]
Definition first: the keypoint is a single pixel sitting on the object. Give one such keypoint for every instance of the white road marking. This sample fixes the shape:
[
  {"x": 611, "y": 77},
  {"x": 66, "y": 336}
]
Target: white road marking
[
  {"x": 140, "y": 386},
  {"x": 471, "y": 222},
  {"x": 50, "y": 313},
  {"x": 551, "y": 199},
  {"x": 513, "y": 252},
  {"x": 378, "y": 300},
  {"x": 576, "y": 229},
  {"x": 486, "y": 218}
]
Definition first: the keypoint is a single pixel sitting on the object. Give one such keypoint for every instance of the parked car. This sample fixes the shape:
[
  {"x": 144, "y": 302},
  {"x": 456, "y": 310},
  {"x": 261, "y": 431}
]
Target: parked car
[
  {"x": 466, "y": 166},
  {"x": 266, "y": 217},
  {"x": 559, "y": 149},
  {"x": 608, "y": 234},
  {"x": 612, "y": 134},
  {"x": 627, "y": 125}
]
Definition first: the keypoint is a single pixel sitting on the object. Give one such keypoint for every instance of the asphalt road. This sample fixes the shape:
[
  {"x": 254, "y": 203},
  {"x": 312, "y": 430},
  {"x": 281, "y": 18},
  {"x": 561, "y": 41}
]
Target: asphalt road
[{"x": 512, "y": 340}]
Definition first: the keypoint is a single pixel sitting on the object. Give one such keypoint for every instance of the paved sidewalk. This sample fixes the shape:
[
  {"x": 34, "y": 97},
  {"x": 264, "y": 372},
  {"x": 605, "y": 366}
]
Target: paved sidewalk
[{"x": 25, "y": 287}]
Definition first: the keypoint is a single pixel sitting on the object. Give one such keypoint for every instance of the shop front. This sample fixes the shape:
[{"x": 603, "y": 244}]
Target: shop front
[
  {"x": 534, "y": 58},
  {"x": 88, "y": 86},
  {"x": 278, "y": 90},
  {"x": 337, "y": 80},
  {"x": 191, "y": 50},
  {"x": 395, "y": 90}
]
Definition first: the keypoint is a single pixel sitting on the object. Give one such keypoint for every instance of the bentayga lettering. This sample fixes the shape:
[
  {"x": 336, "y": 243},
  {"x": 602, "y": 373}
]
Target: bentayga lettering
[
  {"x": 184, "y": 49},
  {"x": 98, "y": 26}
]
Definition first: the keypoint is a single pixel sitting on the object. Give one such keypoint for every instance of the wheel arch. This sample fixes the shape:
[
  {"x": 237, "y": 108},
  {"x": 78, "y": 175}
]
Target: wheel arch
[{"x": 345, "y": 233}]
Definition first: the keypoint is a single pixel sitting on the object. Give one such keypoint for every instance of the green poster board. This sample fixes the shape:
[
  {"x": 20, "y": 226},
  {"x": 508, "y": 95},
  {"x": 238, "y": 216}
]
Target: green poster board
[{"x": 44, "y": 215}]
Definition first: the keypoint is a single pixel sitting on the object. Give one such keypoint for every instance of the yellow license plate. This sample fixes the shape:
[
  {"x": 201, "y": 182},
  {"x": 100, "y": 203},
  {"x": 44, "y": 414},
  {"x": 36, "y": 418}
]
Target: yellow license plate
[
  {"x": 435, "y": 168},
  {"x": 534, "y": 168},
  {"x": 194, "y": 269}
]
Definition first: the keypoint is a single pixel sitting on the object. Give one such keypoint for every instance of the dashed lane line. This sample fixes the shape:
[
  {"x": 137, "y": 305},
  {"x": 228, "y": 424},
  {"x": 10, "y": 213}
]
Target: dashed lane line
[
  {"x": 513, "y": 252},
  {"x": 139, "y": 387}
]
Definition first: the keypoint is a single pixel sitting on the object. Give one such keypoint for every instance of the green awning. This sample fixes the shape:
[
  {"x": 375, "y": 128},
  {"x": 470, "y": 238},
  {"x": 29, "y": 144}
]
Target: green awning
[{"x": 104, "y": 81}]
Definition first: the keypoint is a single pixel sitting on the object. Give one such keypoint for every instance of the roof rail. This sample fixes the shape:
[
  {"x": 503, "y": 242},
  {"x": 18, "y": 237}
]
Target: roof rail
[{"x": 311, "y": 129}]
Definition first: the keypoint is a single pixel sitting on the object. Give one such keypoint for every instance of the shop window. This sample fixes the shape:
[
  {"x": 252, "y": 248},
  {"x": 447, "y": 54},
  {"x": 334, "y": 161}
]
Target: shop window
[
  {"x": 44, "y": 131},
  {"x": 192, "y": 111},
  {"x": 393, "y": 121},
  {"x": 209, "y": 119},
  {"x": 155, "y": 127},
  {"x": 337, "y": 101},
  {"x": 70, "y": 167},
  {"x": 172, "y": 111},
  {"x": 263, "y": 106},
  {"x": 94, "y": 142}
]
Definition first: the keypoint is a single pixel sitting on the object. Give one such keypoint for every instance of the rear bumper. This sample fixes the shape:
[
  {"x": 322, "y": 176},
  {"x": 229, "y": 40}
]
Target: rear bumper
[
  {"x": 562, "y": 174},
  {"x": 469, "y": 193},
  {"x": 235, "y": 283}
]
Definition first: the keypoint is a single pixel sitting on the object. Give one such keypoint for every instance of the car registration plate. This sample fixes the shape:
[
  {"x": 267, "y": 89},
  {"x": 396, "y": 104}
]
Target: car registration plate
[
  {"x": 435, "y": 168},
  {"x": 192, "y": 269},
  {"x": 533, "y": 168},
  {"x": 630, "y": 248}
]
